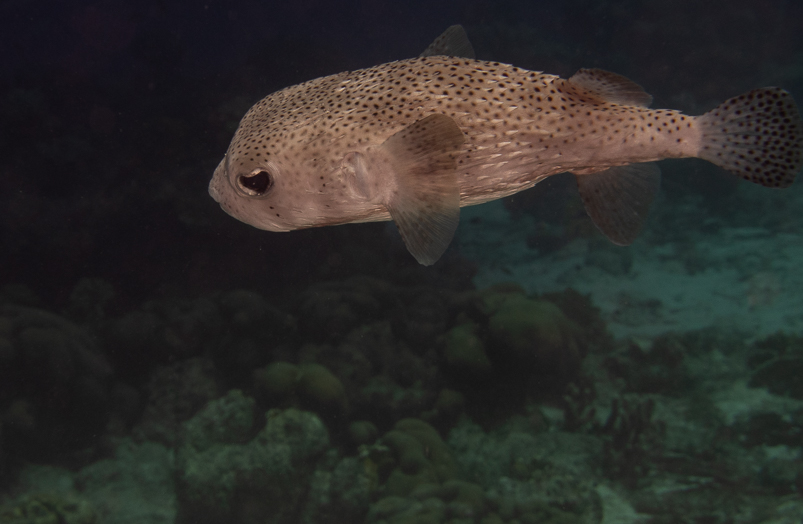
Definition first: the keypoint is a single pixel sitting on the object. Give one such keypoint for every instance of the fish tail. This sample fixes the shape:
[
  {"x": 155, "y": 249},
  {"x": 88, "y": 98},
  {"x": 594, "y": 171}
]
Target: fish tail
[{"x": 757, "y": 135}]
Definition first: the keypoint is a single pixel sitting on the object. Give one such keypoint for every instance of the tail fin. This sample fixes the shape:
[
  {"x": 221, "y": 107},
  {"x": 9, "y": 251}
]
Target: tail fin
[{"x": 757, "y": 135}]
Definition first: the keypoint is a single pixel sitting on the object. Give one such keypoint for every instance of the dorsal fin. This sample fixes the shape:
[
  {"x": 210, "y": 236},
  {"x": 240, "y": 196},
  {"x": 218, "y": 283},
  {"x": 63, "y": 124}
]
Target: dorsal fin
[
  {"x": 611, "y": 87},
  {"x": 452, "y": 42}
]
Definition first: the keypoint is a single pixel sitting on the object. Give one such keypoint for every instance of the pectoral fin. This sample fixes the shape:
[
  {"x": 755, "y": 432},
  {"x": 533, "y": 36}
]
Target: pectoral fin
[
  {"x": 618, "y": 199},
  {"x": 425, "y": 198}
]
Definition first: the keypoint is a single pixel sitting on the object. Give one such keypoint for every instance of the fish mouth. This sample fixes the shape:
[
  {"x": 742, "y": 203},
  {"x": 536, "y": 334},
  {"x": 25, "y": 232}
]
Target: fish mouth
[
  {"x": 213, "y": 192},
  {"x": 217, "y": 176}
]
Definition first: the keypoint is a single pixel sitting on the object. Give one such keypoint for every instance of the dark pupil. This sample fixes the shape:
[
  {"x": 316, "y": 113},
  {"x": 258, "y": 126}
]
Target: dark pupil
[{"x": 257, "y": 183}]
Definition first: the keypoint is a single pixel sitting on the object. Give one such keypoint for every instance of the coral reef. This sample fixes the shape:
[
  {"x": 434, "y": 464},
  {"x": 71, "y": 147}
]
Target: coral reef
[
  {"x": 226, "y": 473},
  {"x": 175, "y": 393},
  {"x": 494, "y": 407},
  {"x": 311, "y": 386},
  {"x": 533, "y": 336},
  {"x": 45, "y": 508},
  {"x": 56, "y": 383}
]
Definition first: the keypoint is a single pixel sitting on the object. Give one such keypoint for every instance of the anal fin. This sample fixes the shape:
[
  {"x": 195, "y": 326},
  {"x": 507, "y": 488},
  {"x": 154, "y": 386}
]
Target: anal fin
[{"x": 618, "y": 199}]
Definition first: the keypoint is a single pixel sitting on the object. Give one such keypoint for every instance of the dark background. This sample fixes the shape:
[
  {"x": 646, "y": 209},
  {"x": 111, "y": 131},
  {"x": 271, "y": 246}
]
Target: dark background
[{"x": 113, "y": 116}]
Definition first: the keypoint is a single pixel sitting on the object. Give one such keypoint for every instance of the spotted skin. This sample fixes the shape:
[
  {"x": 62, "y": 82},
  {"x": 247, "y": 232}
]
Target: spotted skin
[
  {"x": 519, "y": 127},
  {"x": 756, "y": 135}
]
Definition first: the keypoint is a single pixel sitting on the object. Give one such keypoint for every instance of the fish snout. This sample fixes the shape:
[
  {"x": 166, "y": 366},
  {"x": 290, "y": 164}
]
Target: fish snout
[
  {"x": 213, "y": 191},
  {"x": 217, "y": 178}
]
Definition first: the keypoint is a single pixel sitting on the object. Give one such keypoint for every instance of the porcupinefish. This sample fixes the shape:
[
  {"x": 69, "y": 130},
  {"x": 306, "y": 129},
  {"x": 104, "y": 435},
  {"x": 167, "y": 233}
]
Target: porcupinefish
[{"x": 414, "y": 140}]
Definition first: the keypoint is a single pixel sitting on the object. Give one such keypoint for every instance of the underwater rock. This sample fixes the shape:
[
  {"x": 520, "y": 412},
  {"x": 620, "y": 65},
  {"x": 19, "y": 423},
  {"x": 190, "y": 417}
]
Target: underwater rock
[
  {"x": 424, "y": 316},
  {"x": 580, "y": 309},
  {"x": 238, "y": 329},
  {"x": 448, "y": 408},
  {"x": 421, "y": 484},
  {"x": 781, "y": 376},
  {"x": 320, "y": 390},
  {"x": 385, "y": 379},
  {"x": 656, "y": 366},
  {"x": 227, "y": 420},
  {"x": 400, "y": 510},
  {"x": 310, "y": 386},
  {"x": 48, "y": 508},
  {"x": 528, "y": 478},
  {"x": 255, "y": 328},
  {"x": 383, "y": 400},
  {"x": 264, "y": 479},
  {"x": 329, "y": 310},
  {"x": 419, "y": 457},
  {"x": 135, "y": 485},
  {"x": 465, "y": 351},
  {"x": 162, "y": 332},
  {"x": 247, "y": 309},
  {"x": 276, "y": 381},
  {"x": 175, "y": 394},
  {"x": 533, "y": 336},
  {"x": 546, "y": 477},
  {"x": 56, "y": 383},
  {"x": 362, "y": 432},
  {"x": 341, "y": 494}
]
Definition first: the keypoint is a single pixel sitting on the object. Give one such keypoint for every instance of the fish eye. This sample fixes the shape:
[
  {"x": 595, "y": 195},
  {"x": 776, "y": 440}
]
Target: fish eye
[{"x": 256, "y": 184}]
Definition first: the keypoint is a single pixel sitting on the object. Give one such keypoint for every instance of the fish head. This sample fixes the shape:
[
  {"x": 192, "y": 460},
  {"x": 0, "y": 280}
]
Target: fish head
[
  {"x": 283, "y": 172},
  {"x": 252, "y": 193}
]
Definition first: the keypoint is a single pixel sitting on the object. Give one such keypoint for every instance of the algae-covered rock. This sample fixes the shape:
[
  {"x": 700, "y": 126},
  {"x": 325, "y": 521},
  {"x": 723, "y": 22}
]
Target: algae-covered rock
[
  {"x": 56, "y": 384},
  {"x": 362, "y": 432},
  {"x": 464, "y": 498},
  {"x": 48, "y": 508},
  {"x": 227, "y": 420},
  {"x": 263, "y": 480},
  {"x": 399, "y": 510},
  {"x": 329, "y": 310},
  {"x": 135, "y": 485},
  {"x": 546, "y": 477},
  {"x": 276, "y": 381},
  {"x": 465, "y": 351},
  {"x": 339, "y": 495},
  {"x": 533, "y": 335},
  {"x": 255, "y": 329},
  {"x": 421, "y": 457},
  {"x": 176, "y": 393},
  {"x": 320, "y": 389},
  {"x": 447, "y": 409},
  {"x": 311, "y": 386}
]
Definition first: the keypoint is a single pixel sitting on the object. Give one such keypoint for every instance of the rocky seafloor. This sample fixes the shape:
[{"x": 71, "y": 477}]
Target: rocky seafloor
[{"x": 362, "y": 400}]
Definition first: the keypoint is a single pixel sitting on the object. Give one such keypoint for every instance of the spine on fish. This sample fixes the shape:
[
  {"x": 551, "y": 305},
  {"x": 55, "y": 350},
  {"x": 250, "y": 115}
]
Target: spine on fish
[{"x": 757, "y": 135}]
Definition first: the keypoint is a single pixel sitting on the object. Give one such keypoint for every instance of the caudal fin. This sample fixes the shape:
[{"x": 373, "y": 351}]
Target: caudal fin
[{"x": 757, "y": 135}]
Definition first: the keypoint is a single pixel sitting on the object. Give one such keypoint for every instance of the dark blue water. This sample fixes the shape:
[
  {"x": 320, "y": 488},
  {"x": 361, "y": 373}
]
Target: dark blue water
[{"x": 162, "y": 362}]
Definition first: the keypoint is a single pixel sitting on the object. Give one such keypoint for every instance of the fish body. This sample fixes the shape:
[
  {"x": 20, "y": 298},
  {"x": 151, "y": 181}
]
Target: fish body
[{"x": 414, "y": 140}]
